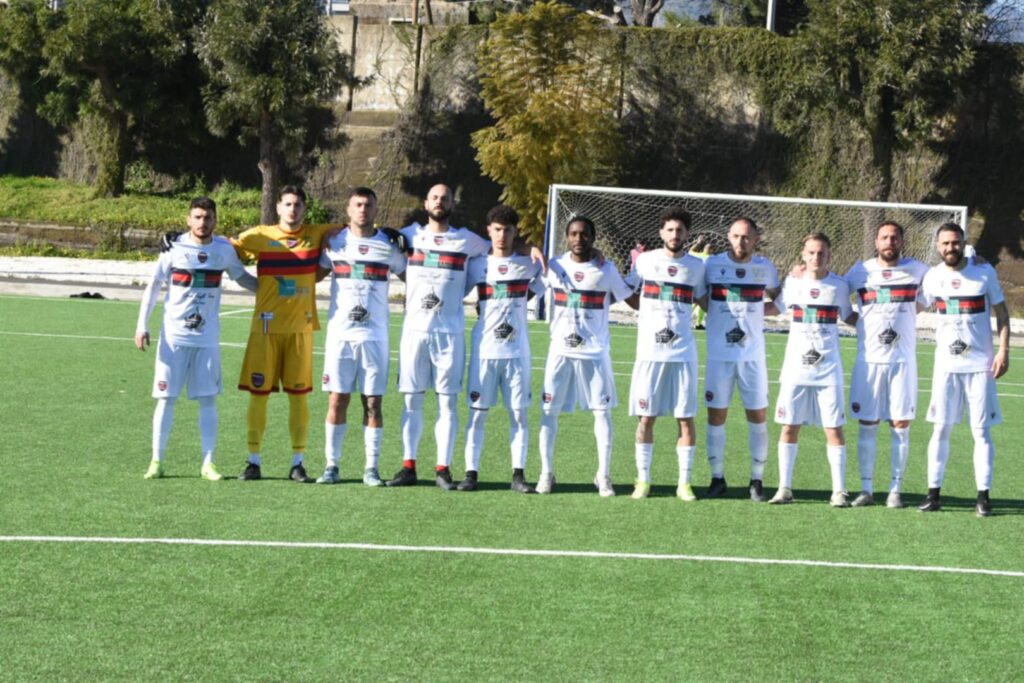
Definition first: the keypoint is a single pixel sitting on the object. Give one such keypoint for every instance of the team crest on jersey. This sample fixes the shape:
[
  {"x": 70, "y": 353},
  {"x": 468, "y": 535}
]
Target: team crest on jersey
[
  {"x": 642, "y": 403},
  {"x": 886, "y": 274},
  {"x": 326, "y": 379},
  {"x": 815, "y": 293},
  {"x": 161, "y": 385},
  {"x": 257, "y": 379},
  {"x": 709, "y": 396},
  {"x": 955, "y": 284},
  {"x": 364, "y": 248},
  {"x": 503, "y": 269},
  {"x": 439, "y": 240},
  {"x": 855, "y": 407},
  {"x": 741, "y": 272},
  {"x": 577, "y": 276},
  {"x": 203, "y": 257},
  {"x": 545, "y": 397},
  {"x": 672, "y": 270},
  {"x": 474, "y": 395}
]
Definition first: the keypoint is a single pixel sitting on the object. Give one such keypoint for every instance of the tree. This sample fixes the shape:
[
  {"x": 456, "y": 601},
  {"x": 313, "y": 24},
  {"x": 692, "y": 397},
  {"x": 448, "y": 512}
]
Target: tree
[
  {"x": 644, "y": 11},
  {"x": 550, "y": 80},
  {"x": 893, "y": 67},
  {"x": 104, "y": 58},
  {"x": 272, "y": 66}
]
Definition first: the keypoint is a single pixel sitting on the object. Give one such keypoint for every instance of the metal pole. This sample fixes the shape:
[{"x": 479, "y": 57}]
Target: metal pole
[{"x": 770, "y": 23}]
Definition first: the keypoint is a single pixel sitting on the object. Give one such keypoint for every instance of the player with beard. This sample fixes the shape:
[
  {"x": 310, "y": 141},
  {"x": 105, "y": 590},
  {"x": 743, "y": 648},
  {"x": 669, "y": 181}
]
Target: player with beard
[
  {"x": 668, "y": 282},
  {"x": 738, "y": 280},
  {"x": 499, "y": 358},
  {"x": 965, "y": 294},
  {"x": 433, "y": 346},
  {"x": 883, "y": 385},
  {"x": 360, "y": 260},
  {"x": 811, "y": 382},
  {"x": 578, "y": 368}
]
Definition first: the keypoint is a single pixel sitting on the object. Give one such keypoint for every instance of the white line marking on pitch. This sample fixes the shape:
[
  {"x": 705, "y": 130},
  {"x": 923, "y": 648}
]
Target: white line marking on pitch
[{"x": 518, "y": 552}]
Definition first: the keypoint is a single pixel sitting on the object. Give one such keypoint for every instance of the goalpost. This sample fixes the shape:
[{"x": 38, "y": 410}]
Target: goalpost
[{"x": 625, "y": 216}]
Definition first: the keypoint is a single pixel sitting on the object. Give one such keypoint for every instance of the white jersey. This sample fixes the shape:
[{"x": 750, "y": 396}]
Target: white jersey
[
  {"x": 503, "y": 284},
  {"x": 735, "y": 320},
  {"x": 886, "y": 298},
  {"x": 192, "y": 302},
  {"x": 963, "y": 300},
  {"x": 360, "y": 268},
  {"x": 812, "y": 351},
  {"x": 668, "y": 287},
  {"x": 581, "y": 295},
  {"x": 435, "y": 280}
]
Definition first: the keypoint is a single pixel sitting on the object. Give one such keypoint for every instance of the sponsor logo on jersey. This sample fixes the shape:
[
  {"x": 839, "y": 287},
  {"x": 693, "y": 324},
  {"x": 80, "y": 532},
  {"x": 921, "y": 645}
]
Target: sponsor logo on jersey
[
  {"x": 811, "y": 357},
  {"x": 257, "y": 379},
  {"x": 574, "y": 340},
  {"x": 959, "y": 347},
  {"x": 888, "y": 336},
  {"x": 358, "y": 314},
  {"x": 735, "y": 335},
  {"x": 504, "y": 331},
  {"x": 430, "y": 302},
  {"x": 664, "y": 336}
]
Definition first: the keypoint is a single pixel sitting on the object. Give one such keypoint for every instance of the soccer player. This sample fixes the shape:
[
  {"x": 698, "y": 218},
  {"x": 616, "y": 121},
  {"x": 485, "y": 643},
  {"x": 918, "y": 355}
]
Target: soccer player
[
  {"x": 884, "y": 381},
  {"x": 499, "y": 358},
  {"x": 811, "y": 390},
  {"x": 188, "y": 350},
  {"x": 579, "y": 368},
  {"x": 966, "y": 368},
  {"x": 360, "y": 259},
  {"x": 433, "y": 347},
  {"x": 737, "y": 282},
  {"x": 664, "y": 382},
  {"x": 279, "y": 353}
]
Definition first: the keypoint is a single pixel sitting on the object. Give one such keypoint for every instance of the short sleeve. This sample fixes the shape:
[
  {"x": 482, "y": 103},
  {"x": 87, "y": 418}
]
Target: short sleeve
[
  {"x": 616, "y": 285},
  {"x": 926, "y": 296},
  {"x": 993, "y": 290},
  {"x": 633, "y": 279},
  {"x": 845, "y": 308},
  {"x": 773, "y": 275},
  {"x": 702, "y": 286},
  {"x": 233, "y": 264},
  {"x": 247, "y": 244},
  {"x": 398, "y": 261}
]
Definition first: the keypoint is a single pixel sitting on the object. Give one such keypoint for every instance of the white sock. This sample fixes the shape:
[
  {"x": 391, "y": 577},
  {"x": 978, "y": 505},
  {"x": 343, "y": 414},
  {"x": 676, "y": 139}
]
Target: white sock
[
  {"x": 548, "y": 432},
  {"x": 984, "y": 457},
  {"x": 412, "y": 425},
  {"x": 837, "y": 463},
  {"x": 787, "y": 459},
  {"x": 446, "y": 427},
  {"x": 334, "y": 437},
  {"x": 644, "y": 454},
  {"x": 899, "y": 451},
  {"x": 475, "y": 438},
  {"x": 757, "y": 442},
  {"x": 297, "y": 458},
  {"x": 254, "y": 459},
  {"x": 603, "y": 434},
  {"x": 372, "y": 436},
  {"x": 715, "y": 439},
  {"x": 163, "y": 417},
  {"x": 938, "y": 454},
  {"x": 519, "y": 437},
  {"x": 685, "y": 456},
  {"x": 867, "y": 447},
  {"x": 208, "y": 427}
]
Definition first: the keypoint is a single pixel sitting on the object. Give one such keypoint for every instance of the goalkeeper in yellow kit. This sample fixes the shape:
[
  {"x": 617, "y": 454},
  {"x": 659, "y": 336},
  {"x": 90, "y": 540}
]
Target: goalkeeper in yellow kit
[{"x": 279, "y": 354}]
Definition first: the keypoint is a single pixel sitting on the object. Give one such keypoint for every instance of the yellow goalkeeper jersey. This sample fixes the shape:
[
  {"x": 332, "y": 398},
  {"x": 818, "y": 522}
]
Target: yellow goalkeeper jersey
[{"x": 286, "y": 271}]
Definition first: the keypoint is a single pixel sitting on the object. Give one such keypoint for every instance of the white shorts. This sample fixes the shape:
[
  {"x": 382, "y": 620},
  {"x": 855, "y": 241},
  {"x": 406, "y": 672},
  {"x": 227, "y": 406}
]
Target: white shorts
[
  {"x": 588, "y": 382},
  {"x": 351, "y": 366},
  {"x": 431, "y": 360},
  {"x": 663, "y": 388},
  {"x": 751, "y": 376},
  {"x": 199, "y": 366},
  {"x": 486, "y": 377},
  {"x": 800, "y": 404},
  {"x": 952, "y": 392},
  {"x": 883, "y": 391}
]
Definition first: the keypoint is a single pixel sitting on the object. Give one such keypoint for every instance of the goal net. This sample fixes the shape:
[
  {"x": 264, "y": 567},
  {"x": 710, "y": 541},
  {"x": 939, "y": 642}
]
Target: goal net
[{"x": 625, "y": 217}]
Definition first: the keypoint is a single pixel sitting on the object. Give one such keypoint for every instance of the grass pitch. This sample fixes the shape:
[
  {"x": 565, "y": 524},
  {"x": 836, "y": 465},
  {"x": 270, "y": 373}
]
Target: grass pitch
[{"x": 76, "y": 432}]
